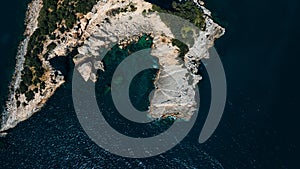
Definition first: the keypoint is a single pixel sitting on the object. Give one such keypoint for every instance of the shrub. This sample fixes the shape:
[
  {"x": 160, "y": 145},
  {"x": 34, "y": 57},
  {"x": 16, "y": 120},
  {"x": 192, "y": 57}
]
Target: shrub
[
  {"x": 187, "y": 10},
  {"x": 184, "y": 49}
]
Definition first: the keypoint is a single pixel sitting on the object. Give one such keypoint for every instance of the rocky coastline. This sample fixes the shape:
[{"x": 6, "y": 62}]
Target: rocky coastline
[
  {"x": 31, "y": 22},
  {"x": 112, "y": 27}
]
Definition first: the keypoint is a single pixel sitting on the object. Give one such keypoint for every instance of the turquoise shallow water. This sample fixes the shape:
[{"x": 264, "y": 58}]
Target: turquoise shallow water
[{"x": 258, "y": 130}]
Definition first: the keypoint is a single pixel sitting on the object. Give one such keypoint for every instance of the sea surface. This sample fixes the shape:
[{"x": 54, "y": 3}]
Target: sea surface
[
  {"x": 11, "y": 34},
  {"x": 260, "y": 55}
]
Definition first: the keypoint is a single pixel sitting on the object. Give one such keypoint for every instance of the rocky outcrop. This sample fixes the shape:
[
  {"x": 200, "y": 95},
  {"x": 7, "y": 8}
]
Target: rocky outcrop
[
  {"x": 174, "y": 94},
  {"x": 175, "y": 85},
  {"x": 18, "y": 107},
  {"x": 94, "y": 34},
  {"x": 11, "y": 116},
  {"x": 85, "y": 70},
  {"x": 32, "y": 14}
]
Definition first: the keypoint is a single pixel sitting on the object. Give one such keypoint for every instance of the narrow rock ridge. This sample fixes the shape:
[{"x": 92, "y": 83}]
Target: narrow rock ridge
[
  {"x": 174, "y": 94},
  {"x": 31, "y": 18},
  {"x": 14, "y": 113},
  {"x": 9, "y": 118}
]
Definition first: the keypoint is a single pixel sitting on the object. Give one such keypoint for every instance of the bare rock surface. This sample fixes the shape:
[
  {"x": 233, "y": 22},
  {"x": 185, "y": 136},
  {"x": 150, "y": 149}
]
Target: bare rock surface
[
  {"x": 175, "y": 85},
  {"x": 174, "y": 95},
  {"x": 94, "y": 34}
]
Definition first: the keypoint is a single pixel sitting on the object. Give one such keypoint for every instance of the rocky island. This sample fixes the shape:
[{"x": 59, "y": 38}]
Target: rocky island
[{"x": 88, "y": 29}]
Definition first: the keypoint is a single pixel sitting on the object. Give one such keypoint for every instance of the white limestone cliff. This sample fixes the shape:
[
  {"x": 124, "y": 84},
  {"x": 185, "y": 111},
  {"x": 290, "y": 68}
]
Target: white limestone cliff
[{"x": 93, "y": 32}]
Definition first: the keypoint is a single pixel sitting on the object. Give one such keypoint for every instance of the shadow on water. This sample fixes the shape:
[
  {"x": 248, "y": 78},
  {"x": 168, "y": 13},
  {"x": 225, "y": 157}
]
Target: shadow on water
[{"x": 64, "y": 64}]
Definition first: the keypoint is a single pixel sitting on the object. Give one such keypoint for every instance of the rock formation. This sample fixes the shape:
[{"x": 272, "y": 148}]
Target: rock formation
[{"x": 111, "y": 22}]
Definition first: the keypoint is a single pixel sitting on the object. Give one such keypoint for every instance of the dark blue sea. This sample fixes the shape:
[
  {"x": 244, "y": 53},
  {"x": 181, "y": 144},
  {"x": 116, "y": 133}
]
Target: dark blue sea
[{"x": 259, "y": 128}]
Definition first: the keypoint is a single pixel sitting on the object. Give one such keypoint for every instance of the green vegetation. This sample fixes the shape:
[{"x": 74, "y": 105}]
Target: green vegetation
[
  {"x": 42, "y": 85},
  {"x": 116, "y": 11},
  {"x": 184, "y": 49},
  {"x": 27, "y": 76},
  {"x": 187, "y": 10},
  {"x": 18, "y": 103},
  {"x": 29, "y": 95},
  {"x": 55, "y": 14},
  {"x": 51, "y": 46}
]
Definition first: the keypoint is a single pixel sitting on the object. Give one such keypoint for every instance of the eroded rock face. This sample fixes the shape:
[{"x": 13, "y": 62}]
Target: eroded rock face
[
  {"x": 85, "y": 70},
  {"x": 174, "y": 94},
  {"x": 101, "y": 29},
  {"x": 176, "y": 81},
  {"x": 19, "y": 107},
  {"x": 32, "y": 15}
]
